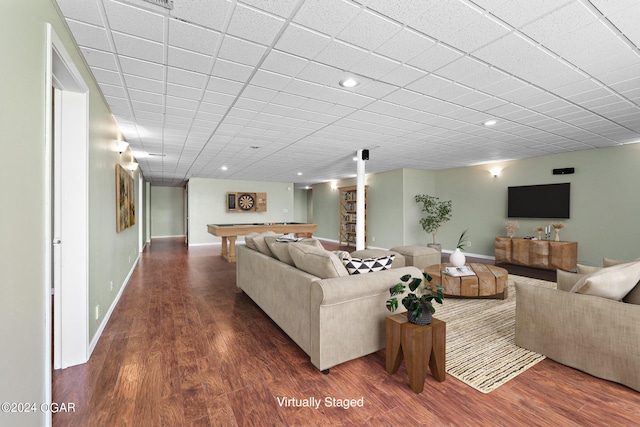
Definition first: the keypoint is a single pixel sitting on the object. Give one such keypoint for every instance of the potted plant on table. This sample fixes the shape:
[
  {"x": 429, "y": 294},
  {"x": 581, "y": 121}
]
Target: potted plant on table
[
  {"x": 418, "y": 301},
  {"x": 437, "y": 213}
]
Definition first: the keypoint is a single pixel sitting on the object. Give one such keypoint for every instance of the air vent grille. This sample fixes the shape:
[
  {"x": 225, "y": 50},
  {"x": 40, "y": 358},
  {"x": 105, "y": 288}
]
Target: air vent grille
[{"x": 167, "y": 4}]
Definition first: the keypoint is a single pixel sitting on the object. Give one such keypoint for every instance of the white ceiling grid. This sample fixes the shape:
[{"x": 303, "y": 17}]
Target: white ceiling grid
[{"x": 253, "y": 84}]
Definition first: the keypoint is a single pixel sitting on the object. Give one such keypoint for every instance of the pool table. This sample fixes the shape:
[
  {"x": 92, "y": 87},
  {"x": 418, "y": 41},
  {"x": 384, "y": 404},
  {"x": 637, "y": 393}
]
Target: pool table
[{"x": 229, "y": 233}]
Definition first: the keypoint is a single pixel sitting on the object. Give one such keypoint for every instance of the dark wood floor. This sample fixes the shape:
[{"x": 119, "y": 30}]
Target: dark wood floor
[{"x": 185, "y": 347}]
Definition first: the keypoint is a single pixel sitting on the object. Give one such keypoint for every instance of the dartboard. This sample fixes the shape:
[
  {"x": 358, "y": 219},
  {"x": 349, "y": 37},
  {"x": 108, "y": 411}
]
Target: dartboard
[{"x": 246, "y": 202}]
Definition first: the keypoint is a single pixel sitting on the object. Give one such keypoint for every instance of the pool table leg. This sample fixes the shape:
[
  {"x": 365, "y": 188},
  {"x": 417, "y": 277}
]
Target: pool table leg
[
  {"x": 224, "y": 252},
  {"x": 232, "y": 249}
]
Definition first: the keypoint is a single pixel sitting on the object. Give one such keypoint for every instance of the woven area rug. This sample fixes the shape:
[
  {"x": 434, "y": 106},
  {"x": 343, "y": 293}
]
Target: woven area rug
[{"x": 481, "y": 350}]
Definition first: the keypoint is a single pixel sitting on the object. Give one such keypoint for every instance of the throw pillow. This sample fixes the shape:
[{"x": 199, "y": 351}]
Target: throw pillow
[
  {"x": 587, "y": 269},
  {"x": 248, "y": 240},
  {"x": 281, "y": 249},
  {"x": 342, "y": 255},
  {"x": 319, "y": 262},
  {"x": 261, "y": 245},
  {"x": 633, "y": 297},
  {"x": 368, "y": 265},
  {"x": 610, "y": 282}
]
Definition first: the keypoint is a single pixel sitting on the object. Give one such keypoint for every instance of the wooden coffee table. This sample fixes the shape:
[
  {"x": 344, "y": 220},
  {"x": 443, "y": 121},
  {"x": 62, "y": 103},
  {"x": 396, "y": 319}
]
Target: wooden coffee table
[{"x": 489, "y": 281}]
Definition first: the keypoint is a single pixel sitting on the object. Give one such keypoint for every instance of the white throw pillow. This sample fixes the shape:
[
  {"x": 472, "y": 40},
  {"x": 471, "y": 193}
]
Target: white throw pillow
[{"x": 613, "y": 282}]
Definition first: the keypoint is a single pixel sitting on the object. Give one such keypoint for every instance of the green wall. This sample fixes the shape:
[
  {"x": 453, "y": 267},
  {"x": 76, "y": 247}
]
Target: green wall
[
  {"x": 23, "y": 222},
  {"x": 207, "y": 205},
  {"x": 605, "y": 206},
  {"x": 604, "y": 203},
  {"x": 167, "y": 211}
]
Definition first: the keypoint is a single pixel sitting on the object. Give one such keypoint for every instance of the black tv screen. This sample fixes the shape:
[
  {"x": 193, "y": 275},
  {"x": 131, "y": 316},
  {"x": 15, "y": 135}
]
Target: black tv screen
[{"x": 539, "y": 201}]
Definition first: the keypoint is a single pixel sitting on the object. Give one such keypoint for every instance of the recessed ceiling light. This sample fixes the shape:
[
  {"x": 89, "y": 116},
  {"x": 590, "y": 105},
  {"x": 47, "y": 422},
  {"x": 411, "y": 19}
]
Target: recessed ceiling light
[
  {"x": 299, "y": 173},
  {"x": 349, "y": 82},
  {"x": 490, "y": 122},
  {"x": 224, "y": 168},
  {"x": 355, "y": 159}
]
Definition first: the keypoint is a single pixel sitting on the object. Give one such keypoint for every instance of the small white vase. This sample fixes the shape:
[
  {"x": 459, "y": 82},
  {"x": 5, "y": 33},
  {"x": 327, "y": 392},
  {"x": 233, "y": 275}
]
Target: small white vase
[{"x": 457, "y": 258}]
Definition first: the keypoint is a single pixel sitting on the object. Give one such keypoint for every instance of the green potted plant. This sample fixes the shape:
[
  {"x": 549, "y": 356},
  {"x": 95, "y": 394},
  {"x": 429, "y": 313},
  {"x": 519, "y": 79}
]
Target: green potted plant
[
  {"x": 418, "y": 301},
  {"x": 437, "y": 213}
]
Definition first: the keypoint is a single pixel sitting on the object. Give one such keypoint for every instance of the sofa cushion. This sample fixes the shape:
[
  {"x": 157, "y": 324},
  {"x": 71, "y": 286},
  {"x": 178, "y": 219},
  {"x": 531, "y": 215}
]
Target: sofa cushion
[
  {"x": 613, "y": 282},
  {"x": 587, "y": 269},
  {"x": 566, "y": 279},
  {"x": 280, "y": 250},
  {"x": 261, "y": 245},
  {"x": 248, "y": 240},
  {"x": 368, "y": 265},
  {"x": 319, "y": 262}
]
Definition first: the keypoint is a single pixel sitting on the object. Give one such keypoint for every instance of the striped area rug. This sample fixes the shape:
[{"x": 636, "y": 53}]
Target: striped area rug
[{"x": 481, "y": 350}]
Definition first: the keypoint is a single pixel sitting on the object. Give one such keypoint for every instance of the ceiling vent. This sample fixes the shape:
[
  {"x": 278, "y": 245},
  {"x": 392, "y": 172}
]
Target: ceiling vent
[{"x": 167, "y": 4}]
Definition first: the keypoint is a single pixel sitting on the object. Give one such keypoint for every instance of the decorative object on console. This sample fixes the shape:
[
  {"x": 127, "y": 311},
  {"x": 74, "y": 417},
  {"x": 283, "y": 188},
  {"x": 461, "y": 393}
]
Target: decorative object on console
[
  {"x": 539, "y": 230},
  {"x": 511, "y": 227},
  {"x": 457, "y": 258},
  {"x": 246, "y": 202},
  {"x": 437, "y": 213},
  {"x": 557, "y": 226},
  {"x": 419, "y": 306}
]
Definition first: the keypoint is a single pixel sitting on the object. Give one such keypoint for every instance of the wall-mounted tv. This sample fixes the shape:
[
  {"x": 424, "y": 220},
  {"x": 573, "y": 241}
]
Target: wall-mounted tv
[{"x": 539, "y": 201}]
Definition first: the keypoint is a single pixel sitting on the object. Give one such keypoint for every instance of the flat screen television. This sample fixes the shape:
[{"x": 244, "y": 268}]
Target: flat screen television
[{"x": 539, "y": 201}]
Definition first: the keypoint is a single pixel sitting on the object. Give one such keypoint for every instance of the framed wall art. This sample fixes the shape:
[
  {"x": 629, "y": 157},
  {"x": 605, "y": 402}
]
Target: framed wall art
[{"x": 125, "y": 199}]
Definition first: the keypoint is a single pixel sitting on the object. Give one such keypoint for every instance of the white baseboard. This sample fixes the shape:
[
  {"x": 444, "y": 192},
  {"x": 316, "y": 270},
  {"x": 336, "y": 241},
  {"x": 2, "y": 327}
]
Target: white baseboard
[{"x": 107, "y": 316}]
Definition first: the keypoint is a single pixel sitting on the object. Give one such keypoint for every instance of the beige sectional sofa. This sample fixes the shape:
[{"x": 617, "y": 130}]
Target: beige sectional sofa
[
  {"x": 591, "y": 322},
  {"x": 331, "y": 315}
]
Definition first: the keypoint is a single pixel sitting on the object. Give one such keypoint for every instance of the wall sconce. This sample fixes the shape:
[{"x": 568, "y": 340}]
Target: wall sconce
[
  {"x": 122, "y": 146},
  {"x": 334, "y": 186},
  {"x": 133, "y": 167},
  {"x": 495, "y": 172}
]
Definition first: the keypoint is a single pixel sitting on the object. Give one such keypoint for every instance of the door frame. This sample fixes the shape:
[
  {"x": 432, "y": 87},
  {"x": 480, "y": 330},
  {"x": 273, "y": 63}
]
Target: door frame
[{"x": 71, "y": 327}]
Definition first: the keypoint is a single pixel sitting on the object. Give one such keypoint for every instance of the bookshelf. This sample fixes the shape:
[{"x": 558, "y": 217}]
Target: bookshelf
[{"x": 348, "y": 215}]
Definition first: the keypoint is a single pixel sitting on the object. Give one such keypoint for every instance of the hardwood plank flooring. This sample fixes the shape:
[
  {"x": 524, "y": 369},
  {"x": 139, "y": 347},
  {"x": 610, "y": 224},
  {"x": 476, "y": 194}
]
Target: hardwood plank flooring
[{"x": 185, "y": 347}]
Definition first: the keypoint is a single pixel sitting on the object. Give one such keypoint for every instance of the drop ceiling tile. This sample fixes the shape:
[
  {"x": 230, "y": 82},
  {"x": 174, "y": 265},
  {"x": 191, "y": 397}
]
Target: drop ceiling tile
[
  {"x": 255, "y": 25},
  {"x": 138, "y": 48},
  {"x": 304, "y": 88},
  {"x": 147, "y": 115},
  {"x": 566, "y": 19},
  {"x": 186, "y": 78},
  {"x": 626, "y": 20},
  {"x": 189, "y": 104},
  {"x": 140, "y": 95},
  {"x": 145, "y": 106},
  {"x": 340, "y": 55},
  {"x": 90, "y": 36},
  {"x": 241, "y": 51},
  {"x": 140, "y": 68},
  {"x": 99, "y": 59},
  {"x": 81, "y": 11},
  {"x": 218, "y": 98},
  {"x": 227, "y": 86},
  {"x": 259, "y": 93},
  {"x": 188, "y": 60},
  {"x": 326, "y": 16},
  {"x": 141, "y": 83},
  {"x": 444, "y": 19},
  {"x": 191, "y": 37},
  {"x": 269, "y": 80},
  {"x": 374, "y": 66},
  {"x": 231, "y": 70},
  {"x": 404, "y": 11},
  {"x": 302, "y": 41},
  {"x": 283, "y": 63},
  {"x": 134, "y": 21},
  {"x": 480, "y": 32},
  {"x": 115, "y": 91},
  {"x": 207, "y": 107},
  {"x": 435, "y": 58},
  {"x": 183, "y": 91},
  {"x": 403, "y": 75},
  {"x": 375, "y": 89},
  {"x": 521, "y": 12},
  {"x": 368, "y": 30},
  {"x": 207, "y": 13}
]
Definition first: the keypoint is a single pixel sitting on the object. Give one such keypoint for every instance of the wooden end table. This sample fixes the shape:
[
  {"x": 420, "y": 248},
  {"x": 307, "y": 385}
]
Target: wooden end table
[
  {"x": 489, "y": 281},
  {"x": 420, "y": 346}
]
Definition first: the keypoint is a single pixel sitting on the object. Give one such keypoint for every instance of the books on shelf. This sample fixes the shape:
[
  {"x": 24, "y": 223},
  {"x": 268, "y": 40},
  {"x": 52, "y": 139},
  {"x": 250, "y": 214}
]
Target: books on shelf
[{"x": 459, "y": 271}]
